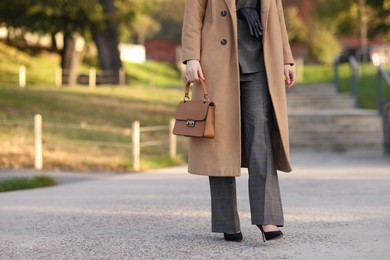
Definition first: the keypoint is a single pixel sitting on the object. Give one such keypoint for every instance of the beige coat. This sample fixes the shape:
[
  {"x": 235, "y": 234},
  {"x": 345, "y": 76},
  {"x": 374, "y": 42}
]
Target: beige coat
[{"x": 210, "y": 36}]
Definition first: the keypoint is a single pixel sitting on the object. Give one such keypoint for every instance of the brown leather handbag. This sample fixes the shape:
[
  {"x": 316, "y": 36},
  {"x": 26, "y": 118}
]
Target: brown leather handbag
[{"x": 195, "y": 118}]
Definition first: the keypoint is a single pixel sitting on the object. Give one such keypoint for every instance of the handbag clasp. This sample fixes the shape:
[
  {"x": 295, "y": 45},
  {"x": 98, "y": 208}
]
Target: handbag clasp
[{"x": 190, "y": 123}]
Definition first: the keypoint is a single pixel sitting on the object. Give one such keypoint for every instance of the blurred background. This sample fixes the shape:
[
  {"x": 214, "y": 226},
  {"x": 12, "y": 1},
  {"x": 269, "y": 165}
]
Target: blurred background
[{"x": 93, "y": 85}]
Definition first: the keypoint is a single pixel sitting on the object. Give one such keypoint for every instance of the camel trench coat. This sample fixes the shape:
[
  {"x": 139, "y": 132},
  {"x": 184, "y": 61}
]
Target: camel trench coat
[{"x": 210, "y": 36}]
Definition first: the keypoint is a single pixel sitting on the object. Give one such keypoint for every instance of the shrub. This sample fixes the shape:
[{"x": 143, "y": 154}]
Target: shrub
[{"x": 12, "y": 184}]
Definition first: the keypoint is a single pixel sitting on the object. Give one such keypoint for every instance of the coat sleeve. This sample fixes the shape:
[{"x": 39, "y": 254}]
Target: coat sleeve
[
  {"x": 287, "y": 55},
  {"x": 192, "y": 29}
]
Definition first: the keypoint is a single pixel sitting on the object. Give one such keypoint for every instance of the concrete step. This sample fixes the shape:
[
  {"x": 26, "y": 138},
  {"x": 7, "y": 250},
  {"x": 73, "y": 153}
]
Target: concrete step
[
  {"x": 335, "y": 121},
  {"x": 319, "y": 89},
  {"x": 297, "y": 102},
  {"x": 346, "y": 130},
  {"x": 370, "y": 138},
  {"x": 356, "y": 148}
]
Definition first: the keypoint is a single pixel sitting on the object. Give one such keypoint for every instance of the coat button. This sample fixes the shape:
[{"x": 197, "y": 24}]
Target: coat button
[
  {"x": 223, "y": 41},
  {"x": 223, "y": 13}
]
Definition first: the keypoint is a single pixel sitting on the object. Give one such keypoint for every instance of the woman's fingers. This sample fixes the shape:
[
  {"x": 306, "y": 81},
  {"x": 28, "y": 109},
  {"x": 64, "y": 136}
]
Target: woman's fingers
[
  {"x": 289, "y": 74},
  {"x": 200, "y": 73},
  {"x": 194, "y": 71},
  {"x": 191, "y": 71}
]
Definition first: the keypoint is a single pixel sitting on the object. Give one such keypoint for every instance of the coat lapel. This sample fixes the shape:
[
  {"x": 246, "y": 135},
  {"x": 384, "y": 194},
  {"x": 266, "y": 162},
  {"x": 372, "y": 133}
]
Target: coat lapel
[
  {"x": 265, "y": 7},
  {"x": 232, "y": 5}
]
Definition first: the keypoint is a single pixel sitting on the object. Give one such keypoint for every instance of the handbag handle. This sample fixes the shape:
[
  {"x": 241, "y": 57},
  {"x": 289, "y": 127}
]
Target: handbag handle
[{"x": 205, "y": 94}]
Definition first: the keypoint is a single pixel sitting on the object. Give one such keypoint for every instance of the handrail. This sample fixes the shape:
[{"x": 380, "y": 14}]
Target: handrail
[
  {"x": 382, "y": 74},
  {"x": 354, "y": 79},
  {"x": 336, "y": 63}
]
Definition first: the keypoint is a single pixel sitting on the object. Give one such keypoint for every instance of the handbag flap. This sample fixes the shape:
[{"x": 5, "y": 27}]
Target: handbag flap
[{"x": 192, "y": 110}]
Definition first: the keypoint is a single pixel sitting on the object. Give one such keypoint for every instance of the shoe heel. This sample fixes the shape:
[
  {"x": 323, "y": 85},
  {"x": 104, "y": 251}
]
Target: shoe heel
[{"x": 262, "y": 233}]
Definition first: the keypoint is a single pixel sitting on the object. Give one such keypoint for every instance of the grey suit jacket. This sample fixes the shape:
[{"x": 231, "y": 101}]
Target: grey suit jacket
[{"x": 250, "y": 48}]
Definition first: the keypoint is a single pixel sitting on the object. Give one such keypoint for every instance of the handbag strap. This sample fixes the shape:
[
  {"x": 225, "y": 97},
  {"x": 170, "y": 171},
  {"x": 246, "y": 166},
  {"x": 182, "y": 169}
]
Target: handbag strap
[{"x": 205, "y": 93}]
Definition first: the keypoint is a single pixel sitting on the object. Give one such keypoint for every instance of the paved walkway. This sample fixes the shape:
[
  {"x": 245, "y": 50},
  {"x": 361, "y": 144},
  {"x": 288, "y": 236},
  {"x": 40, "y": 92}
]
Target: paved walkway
[{"x": 336, "y": 207}]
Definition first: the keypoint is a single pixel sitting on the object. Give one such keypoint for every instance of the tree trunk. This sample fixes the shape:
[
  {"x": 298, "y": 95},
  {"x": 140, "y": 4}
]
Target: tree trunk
[
  {"x": 363, "y": 29},
  {"x": 71, "y": 59},
  {"x": 106, "y": 40},
  {"x": 53, "y": 42}
]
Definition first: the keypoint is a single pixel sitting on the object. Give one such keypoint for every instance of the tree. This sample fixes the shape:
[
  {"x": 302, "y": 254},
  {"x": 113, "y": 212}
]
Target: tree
[
  {"x": 98, "y": 18},
  {"x": 297, "y": 29},
  {"x": 379, "y": 20},
  {"x": 105, "y": 37},
  {"x": 170, "y": 15}
]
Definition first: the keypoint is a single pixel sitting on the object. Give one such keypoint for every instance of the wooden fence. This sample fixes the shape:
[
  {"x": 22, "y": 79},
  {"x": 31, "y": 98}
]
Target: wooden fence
[
  {"x": 135, "y": 131},
  {"x": 94, "y": 77}
]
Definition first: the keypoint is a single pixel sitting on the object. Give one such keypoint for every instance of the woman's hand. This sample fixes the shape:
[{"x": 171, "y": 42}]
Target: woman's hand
[
  {"x": 289, "y": 75},
  {"x": 194, "y": 71}
]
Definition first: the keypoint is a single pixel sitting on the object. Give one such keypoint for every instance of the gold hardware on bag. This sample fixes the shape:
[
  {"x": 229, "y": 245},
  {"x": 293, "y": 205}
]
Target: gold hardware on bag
[{"x": 190, "y": 123}]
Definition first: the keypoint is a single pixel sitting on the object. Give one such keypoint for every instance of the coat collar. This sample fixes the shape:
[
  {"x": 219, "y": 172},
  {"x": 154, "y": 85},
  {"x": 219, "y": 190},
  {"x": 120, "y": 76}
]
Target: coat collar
[{"x": 265, "y": 6}]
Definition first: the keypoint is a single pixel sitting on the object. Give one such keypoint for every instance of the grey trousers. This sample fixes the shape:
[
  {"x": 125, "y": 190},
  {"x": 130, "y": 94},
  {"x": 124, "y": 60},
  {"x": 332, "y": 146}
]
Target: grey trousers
[{"x": 264, "y": 193}]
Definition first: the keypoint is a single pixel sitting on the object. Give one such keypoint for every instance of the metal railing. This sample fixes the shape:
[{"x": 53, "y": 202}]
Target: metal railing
[
  {"x": 384, "y": 108},
  {"x": 382, "y": 76},
  {"x": 354, "y": 79},
  {"x": 336, "y": 63},
  {"x": 386, "y": 127}
]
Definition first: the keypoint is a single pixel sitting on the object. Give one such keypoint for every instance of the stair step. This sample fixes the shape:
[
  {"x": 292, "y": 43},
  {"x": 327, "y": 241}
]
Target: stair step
[
  {"x": 336, "y": 130},
  {"x": 364, "y": 148},
  {"x": 376, "y": 138},
  {"x": 313, "y": 89},
  {"x": 320, "y": 119}
]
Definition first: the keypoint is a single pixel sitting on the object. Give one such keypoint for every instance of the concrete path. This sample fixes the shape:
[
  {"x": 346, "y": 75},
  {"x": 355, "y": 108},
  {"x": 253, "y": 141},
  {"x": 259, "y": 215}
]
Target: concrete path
[{"x": 336, "y": 207}]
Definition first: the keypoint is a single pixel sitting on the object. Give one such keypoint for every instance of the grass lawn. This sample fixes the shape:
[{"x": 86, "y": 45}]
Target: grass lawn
[
  {"x": 41, "y": 69},
  {"x": 111, "y": 108},
  {"x": 13, "y": 184}
]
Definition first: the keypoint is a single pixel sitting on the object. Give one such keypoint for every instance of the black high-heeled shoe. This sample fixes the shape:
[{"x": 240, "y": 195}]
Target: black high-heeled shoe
[
  {"x": 271, "y": 235},
  {"x": 233, "y": 237}
]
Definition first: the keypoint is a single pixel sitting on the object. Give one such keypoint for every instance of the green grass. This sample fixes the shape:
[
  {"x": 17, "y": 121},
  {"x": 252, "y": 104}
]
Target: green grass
[
  {"x": 367, "y": 81},
  {"x": 105, "y": 106},
  {"x": 367, "y": 86},
  {"x": 13, "y": 184},
  {"x": 153, "y": 74},
  {"x": 41, "y": 68}
]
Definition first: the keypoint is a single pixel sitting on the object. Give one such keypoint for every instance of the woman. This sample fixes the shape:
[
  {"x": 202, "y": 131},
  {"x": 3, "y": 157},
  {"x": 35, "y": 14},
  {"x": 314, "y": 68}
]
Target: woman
[{"x": 240, "y": 48}]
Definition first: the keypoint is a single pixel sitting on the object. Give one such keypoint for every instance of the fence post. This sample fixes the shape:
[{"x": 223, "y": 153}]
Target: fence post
[
  {"x": 38, "y": 141},
  {"x": 92, "y": 78},
  {"x": 122, "y": 77},
  {"x": 172, "y": 140},
  {"x": 22, "y": 76},
  {"x": 58, "y": 77},
  {"x": 136, "y": 138}
]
